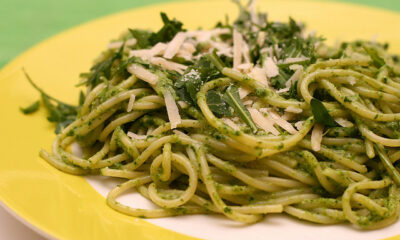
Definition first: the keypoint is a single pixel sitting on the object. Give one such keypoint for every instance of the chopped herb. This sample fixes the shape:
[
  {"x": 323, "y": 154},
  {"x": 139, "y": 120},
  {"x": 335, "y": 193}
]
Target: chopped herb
[
  {"x": 320, "y": 113},
  {"x": 217, "y": 104},
  {"x": 376, "y": 59},
  {"x": 167, "y": 32},
  {"x": 31, "y": 108},
  {"x": 142, "y": 37},
  {"x": 232, "y": 97}
]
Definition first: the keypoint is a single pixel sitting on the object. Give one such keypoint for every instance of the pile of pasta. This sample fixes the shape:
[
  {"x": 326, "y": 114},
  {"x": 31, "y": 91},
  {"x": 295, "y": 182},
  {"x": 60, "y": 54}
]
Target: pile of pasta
[{"x": 326, "y": 154}]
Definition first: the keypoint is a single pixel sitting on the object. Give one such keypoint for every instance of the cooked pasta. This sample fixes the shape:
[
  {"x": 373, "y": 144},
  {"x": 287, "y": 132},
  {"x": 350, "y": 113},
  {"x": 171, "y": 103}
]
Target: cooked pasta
[{"x": 245, "y": 119}]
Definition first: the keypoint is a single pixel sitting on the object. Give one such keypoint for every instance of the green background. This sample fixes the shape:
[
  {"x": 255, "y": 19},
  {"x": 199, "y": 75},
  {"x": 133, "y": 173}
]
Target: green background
[{"x": 23, "y": 23}]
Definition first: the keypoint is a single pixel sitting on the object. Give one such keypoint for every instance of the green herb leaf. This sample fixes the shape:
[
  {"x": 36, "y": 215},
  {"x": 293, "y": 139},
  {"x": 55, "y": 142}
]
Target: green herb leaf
[
  {"x": 280, "y": 80},
  {"x": 103, "y": 68},
  {"x": 217, "y": 104},
  {"x": 30, "y": 109},
  {"x": 321, "y": 114},
  {"x": 58, "y": 112},
  {"x": 167, "y": 32},
  {"x": 232, "y": 97},
  {"x": 142, "y": 37}
]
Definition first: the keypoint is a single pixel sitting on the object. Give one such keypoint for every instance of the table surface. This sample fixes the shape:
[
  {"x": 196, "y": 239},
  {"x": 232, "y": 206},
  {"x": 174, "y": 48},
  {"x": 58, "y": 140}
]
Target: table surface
[{"x": 25, "y": 23}]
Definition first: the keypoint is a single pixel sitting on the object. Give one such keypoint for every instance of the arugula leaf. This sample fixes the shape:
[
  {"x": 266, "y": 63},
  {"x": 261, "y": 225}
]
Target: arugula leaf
[
  {"x": 31, "y": 108},
  {"x": 217, "y": 104},
  {"x": 232, "y": 97},
  {"x": 280, "y": 80},
  {"x": 194, "y": 77},
  {"x": 62, "y": 114},
  {"x": 168, "y": 31},
  {"x": 320, "y": 113},
  {"x": 81, "y": 98},
  {"x": 103, "y": 68},
  {"x": 142, "y": 37}
]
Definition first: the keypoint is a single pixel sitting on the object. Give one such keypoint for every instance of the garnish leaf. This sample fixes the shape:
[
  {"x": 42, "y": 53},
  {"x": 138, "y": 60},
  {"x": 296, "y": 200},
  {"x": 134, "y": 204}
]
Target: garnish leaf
[
  {"x": 31, "y": 108},
  {"x": 103, "y": 68},
  {"x": 58, "y": 112},
  {"x": 232, "y": 97},
  {"x": 321, "y": 114},
  {"x": 217, "y": 104},
  {"x": 142, "y": 37},
  {"x": 167, "y": 32}
]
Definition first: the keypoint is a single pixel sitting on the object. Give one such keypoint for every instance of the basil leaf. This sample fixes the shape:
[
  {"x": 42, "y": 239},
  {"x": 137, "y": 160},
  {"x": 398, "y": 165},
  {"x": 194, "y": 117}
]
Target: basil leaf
[
  {"x": 217, "y": 104},
  {"x": 232, "y": 97},
  {"x": 321, "y": 114},
  {"x": 31, "y": 108}
]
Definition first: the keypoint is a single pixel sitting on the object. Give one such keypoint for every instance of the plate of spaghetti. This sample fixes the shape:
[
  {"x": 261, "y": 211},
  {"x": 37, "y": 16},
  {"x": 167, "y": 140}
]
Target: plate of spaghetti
[{"x": 205, "y": 126}]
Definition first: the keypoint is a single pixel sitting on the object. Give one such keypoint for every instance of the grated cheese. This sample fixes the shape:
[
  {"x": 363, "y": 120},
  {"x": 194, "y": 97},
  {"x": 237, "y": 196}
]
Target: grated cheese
[
  {"x": 292, "y": 109},
  {"x": 172, "y": 110},
  {"x": 260, "y": 75},
  {"x": 168, "y": 64},
  {"x": 344, "y": 122},
  {"x": 295, "y": 59},
  {"x": 271, "y": 69},
  {"x": 118, "y": 44},
  {"x": 299, "y": 125},
  {"x": 237, "y": 48},
  {"x": 282, "y": 123},
  {"x": 230, "y": 123},
  {"x": 135, "y": 136},
  {"x": 142, "y": 73},
  {"x": 243, "y": 92},
  {"x": 264, "y": 123},
  {"x": 316, "y": 137},
  {"x": 130, "y": 103},
  {"x": 295, "y": 77},
  {"x": 174, "y": 46}
]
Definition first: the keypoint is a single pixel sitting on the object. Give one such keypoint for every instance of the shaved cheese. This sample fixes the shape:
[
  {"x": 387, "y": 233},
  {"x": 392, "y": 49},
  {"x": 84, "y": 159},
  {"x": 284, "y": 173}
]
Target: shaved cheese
[
  {"x": 271, "y": 68},
  {"x": 222, "y": 48},
  {"x": 294, "y": 67},
  {"x": 299, "y": 125},
  {"x": 293, "y": 109},
  {"x": 245, "y": 52},
  {"x": 264, "y": 123},
  {"x": 174, "y": 45},
  {"x": 184, "y": 54},
  {"x": 280, "y": 121},
  {"x": 248, "y": 102},
  {"x": 168, "y": 64},
  {"x": 260, "y": 75},
  {"x": 142, "y": 73},
  {"x": 237, "y": 48},
  {"x": 189, "y": 47},
  {"x": 295, "y": 77},
  {"x": 135, "y": 136},
  {"x": 205, "y": 35},
  {"x": 158, "y": 49},
  {"x": 243, "y": 92},
  {"x": 183, "y": 104},
  {"x": 172, "y": 110},
  {"x": 144, "y": 54},
  {"x": 230, "y": 123},
  {"x": 344, "y": 122},
  {"x": 316, "y": 137},
  {"x": 76, "y": 149},
  {"x": 296, "y": 59},
  {"x": 261, "y": 38},
  {"x": 130, "y": 103},
  {"x": 115, "y": 45},
  {"x": 245, "y": 67},
  {"x": 282, "y": 90}
]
